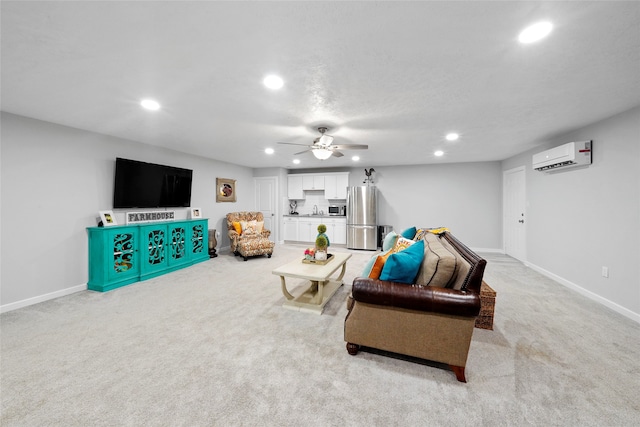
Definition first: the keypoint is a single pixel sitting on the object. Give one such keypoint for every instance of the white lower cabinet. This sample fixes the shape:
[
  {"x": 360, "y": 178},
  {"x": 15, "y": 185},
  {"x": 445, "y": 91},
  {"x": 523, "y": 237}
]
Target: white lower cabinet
[
  {"x": 305, "y": 229},
  {"x": 308, "y": 229},
  {"x": 290, "y": 229}
]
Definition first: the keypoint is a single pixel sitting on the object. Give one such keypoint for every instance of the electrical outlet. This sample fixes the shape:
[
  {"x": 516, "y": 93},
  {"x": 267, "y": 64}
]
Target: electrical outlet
[{"x": 605, "y": 271}]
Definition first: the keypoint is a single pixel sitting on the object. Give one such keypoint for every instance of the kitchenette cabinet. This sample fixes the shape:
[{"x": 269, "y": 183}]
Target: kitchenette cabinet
[
  {"x": 294, "y": 187},
  {"x": 313, "y": 182},
  {"x": 334, "y": 185},
  {"x": 305, "y": 229}
]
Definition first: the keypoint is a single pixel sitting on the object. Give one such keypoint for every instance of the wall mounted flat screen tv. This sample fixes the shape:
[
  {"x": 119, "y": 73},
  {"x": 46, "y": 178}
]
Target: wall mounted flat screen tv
[{"x": 147, "y": 185}]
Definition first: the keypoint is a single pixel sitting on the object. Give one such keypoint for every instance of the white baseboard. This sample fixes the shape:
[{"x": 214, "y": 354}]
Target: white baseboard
[
  {"x": 492, "y": 251},
  {"x": 582, "y": 291},
  {"x": 42, "y": 298}
]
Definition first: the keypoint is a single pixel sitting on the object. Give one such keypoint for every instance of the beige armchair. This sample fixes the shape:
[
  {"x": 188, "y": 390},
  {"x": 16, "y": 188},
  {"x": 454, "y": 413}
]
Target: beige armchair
[{"x": 247, "y": 234}]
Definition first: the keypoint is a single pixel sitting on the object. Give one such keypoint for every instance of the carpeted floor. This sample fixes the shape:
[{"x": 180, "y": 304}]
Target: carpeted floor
[{"x": 211, "y": 345}]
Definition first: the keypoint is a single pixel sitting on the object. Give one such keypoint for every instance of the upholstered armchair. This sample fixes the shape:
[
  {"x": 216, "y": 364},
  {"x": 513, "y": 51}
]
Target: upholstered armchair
[{"x": 247, "y": 234}]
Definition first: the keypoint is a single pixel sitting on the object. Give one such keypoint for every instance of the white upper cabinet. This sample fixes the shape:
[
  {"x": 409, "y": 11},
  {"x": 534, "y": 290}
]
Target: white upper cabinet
[
  {"x": 294, "y": 187},
  {"x": 335, "y": 186},
  {"x": 313, "y": 182}
]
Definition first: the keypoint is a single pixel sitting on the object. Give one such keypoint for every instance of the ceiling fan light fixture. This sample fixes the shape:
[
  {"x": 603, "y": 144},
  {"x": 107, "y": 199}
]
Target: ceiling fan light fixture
[
  {"x": 325, "y": 140},
  {"x": 321, "y": 153}
]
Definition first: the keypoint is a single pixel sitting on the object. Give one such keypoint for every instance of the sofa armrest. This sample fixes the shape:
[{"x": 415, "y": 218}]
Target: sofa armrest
[{"x": 416, "y": 297}]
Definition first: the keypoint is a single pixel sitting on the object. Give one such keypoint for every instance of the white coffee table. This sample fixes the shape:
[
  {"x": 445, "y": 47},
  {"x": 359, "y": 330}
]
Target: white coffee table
[{"x": 322, "y": 286}]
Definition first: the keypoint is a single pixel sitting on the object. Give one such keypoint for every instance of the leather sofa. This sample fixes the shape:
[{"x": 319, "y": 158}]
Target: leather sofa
[{"x": 431, "y": 319}]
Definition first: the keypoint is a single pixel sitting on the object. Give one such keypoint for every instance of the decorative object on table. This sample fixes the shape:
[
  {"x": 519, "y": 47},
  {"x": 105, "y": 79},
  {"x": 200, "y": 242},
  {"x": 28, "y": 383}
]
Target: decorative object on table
[
  {"x": 195, "y": 213},
  {"x": 322, "y": 230},
  {"x": 319, "y": 261},
  {"x": 107, "y": 218},
  {"x": 225, "y": 190},
  {"x": 213, "y": 242},
  {"x": 293, "y": 206},
  {"x": 321, "y": 247},
  {"x": 369, "y": 176},
  {"x": 309, "y": 254}
]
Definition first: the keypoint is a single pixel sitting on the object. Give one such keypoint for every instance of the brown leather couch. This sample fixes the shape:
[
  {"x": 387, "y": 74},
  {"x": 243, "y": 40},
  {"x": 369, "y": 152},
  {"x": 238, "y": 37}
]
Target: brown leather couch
[{"x": 432, "y": 321}]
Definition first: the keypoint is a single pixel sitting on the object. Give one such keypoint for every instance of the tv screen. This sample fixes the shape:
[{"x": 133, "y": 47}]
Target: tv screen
[{"x": 147, "y": 185}]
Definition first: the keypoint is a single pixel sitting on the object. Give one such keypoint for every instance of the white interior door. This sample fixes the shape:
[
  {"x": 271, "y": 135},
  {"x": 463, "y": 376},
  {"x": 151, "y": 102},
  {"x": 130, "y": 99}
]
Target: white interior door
[
  {"x": 514, "y": 221},
  {"x": 266, "y": 202}
]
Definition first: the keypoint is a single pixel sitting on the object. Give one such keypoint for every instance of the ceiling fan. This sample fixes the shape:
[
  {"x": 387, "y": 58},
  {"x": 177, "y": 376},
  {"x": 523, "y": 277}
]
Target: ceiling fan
[{"x": 323, "y": 148}]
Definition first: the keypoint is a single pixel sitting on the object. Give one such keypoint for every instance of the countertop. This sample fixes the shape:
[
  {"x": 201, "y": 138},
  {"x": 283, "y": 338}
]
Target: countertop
[{"x": 316, "y": 216}]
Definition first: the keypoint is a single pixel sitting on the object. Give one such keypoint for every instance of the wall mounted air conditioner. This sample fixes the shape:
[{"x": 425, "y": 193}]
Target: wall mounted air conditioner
[{"x": 565, "y": 156}]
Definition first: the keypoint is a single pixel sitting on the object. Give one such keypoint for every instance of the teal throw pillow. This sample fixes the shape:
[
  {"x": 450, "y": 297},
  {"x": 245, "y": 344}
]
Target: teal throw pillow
[
  {"x": 404, "y": 266},
  {"x": 409, "y": 233},
  {"x": 368, "y": 266},
  {"x": 389, "y": 241}
]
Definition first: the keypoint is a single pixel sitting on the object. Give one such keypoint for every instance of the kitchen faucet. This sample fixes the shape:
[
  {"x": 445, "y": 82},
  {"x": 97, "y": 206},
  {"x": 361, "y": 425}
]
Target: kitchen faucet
[{"x": 315, "y": 209}]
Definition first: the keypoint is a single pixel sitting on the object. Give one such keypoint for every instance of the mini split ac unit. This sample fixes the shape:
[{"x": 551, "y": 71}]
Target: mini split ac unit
[{"x": 565, "y": 156}]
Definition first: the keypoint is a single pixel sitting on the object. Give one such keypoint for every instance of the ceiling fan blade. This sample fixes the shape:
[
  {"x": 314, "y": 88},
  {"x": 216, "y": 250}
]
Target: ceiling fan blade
[
  {"x": 351, "y": 147},
  {"x": 336, "y": 153},
  {"x": 293, "y": 143},
  {"x": 302, "y": 152}
]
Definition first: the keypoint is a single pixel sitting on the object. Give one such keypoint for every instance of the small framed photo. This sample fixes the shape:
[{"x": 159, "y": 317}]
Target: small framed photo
[
  {"x": 195, "y": 213},
  {"x": 225, "y": 190},
  {"x": 107, "y": 218}
]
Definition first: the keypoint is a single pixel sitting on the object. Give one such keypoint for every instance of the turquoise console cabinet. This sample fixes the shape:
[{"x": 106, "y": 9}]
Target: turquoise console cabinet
[{"x": 120, "y": 255}]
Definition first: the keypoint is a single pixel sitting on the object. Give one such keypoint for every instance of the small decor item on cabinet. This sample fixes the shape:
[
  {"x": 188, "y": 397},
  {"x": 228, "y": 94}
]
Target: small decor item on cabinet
[
  {"x": 293, "y": 205},
  {"x": 107, "y": 218},
  {"x": 213, "y": 242},
  {"x": 195, "y": 213},
  {"x": 225, "y": 190}
]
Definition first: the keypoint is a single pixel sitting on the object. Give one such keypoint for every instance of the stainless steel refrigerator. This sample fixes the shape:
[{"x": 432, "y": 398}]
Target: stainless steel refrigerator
[{"x": 362, "y": 211}]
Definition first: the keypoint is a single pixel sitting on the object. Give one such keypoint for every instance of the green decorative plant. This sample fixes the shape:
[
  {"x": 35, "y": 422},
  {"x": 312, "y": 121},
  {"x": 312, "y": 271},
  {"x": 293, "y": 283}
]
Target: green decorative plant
[
  {"x": 322, "y": 242},
  {"x": 322, "y": 229}
]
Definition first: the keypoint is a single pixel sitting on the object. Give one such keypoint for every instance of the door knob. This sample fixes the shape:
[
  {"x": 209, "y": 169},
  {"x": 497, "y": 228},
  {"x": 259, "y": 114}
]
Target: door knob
[{"x": 521, "y": 221}]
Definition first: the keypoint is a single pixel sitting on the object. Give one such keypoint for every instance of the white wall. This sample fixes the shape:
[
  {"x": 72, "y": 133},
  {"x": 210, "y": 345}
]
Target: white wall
[
  {"x": 55, "y": 179},
  {"x": 580, "y": 220},
  {"x": 465, "y": 197}
]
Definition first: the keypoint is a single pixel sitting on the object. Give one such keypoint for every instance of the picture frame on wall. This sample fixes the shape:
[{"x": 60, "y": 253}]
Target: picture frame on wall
[
  {"x": 195, "y": 213},
  {"x": 225, "y": 190},
  {"x": 107, "y": 218}
]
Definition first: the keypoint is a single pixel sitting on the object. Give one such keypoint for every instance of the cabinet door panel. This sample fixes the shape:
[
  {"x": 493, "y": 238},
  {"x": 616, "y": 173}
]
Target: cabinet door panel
[
  {"x": 125, "y": 260},
  {"x": 177, "y": 245},
  {"x": 153, "y": 248}
]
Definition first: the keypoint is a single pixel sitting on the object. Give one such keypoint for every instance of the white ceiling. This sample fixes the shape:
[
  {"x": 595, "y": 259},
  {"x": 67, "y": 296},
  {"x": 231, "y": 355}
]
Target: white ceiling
[{"x": 394, "y": 75}]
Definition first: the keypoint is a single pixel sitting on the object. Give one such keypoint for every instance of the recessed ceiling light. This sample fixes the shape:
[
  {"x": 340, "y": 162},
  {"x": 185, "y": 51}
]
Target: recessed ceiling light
[
  {"x": 273, "y": 82},
  {"x": 150, "y": 104},
  {"x": 269, "y": 150},
  {"x": 355, "y": 158},
  {"x": 296, "y": 161},
  {"x": 535, "y": 32},
  {"x": 438, "y": 153},
  {"x": 452, "y": 136}
]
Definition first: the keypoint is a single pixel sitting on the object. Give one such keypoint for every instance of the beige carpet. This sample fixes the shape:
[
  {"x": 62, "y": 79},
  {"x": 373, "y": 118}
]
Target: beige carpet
[{"x": 211, "y": 345}]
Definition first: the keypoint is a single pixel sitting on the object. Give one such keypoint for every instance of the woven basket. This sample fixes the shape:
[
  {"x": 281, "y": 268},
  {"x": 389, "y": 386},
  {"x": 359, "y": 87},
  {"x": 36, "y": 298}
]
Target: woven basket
[{"x": 487, "y": 307}]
